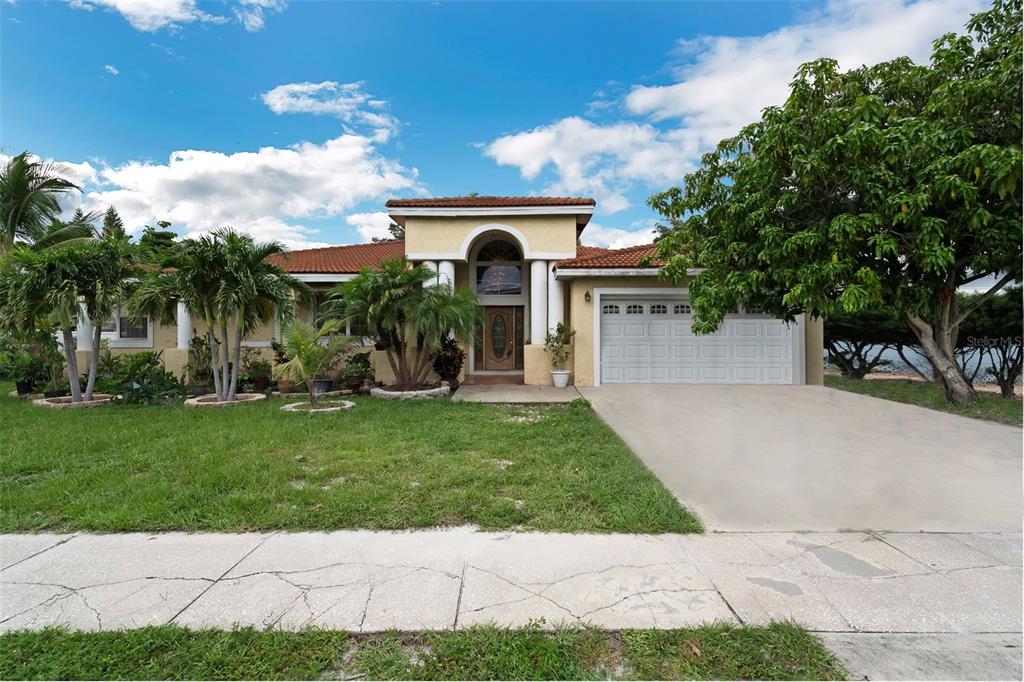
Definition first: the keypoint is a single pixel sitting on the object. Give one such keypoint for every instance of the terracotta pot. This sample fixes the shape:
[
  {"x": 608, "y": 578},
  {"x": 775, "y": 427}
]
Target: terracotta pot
[{"x": 285, "y": 387}]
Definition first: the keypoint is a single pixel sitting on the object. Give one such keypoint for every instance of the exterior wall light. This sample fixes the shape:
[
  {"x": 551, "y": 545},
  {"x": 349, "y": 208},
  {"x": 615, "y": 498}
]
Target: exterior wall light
[{"x": 586, "y": 296}]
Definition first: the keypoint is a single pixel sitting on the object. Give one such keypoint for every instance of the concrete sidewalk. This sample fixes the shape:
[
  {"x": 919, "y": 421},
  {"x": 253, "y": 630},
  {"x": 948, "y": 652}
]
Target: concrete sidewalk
[{"x": 371, "y": 581}]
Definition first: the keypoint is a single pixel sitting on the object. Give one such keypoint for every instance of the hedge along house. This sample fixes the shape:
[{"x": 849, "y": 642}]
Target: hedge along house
[{"x": 523, "y": 259}]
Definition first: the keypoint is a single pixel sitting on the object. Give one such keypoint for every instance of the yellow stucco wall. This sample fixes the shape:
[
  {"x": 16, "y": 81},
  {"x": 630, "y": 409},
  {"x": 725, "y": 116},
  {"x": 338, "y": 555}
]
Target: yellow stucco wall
[
  {"x": 437, "y": 235},
  {"x": 581, "y": 316}
]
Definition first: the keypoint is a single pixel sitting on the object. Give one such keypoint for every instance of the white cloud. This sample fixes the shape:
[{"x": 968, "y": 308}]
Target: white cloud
[
  {"x": 251, "y": 12},
  {"x": 111, "y": 69},
  {"x": 154, "y": 15},
  {"x": 588, "y": 158},
  {"x": 371, "y": 225},
  {"x": 347, "y": 102},
  {"x": 722, "y": 85},
  {"x": 615, "y": 237},
  {"x": 727, "y": 80},
  {"x": 267, "y": 193}
]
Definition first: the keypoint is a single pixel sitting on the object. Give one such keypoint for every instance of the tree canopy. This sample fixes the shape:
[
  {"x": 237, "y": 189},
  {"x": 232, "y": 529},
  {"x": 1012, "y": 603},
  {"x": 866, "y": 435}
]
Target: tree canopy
[{"x": 888, "y": 185}]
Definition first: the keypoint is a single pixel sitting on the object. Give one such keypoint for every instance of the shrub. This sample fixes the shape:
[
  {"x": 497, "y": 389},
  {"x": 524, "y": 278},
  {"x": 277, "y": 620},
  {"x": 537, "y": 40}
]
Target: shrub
[
  {"x": 145, "y": 381},
  {"x": 449, "y": 361}
]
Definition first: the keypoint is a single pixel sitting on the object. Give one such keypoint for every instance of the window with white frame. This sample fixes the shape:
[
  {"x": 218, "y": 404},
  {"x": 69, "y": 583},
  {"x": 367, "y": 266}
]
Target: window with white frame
[
  {"x": 659, "y": 309},
  {"x": 682, "y": 309},
  {"x": 120, "y": 328},
  {"x": 634, "y": 309},
  {"x": 610, "y": 309}
]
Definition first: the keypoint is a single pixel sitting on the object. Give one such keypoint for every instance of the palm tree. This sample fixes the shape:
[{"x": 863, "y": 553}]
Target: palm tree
[
  {"x": 30, "y": 194},
  {"x": 309, "y": 357},
  {"x": 55, "y": 285},
  {"x": 225, "y": 280},
  {"x": 410, "y": 317}
]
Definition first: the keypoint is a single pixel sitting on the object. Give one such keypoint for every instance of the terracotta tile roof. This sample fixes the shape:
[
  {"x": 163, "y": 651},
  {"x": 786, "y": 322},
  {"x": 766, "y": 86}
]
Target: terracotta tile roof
[
  {"x": 340, "y": 259},
  {"x": 488, "y": 202},
  {"x": 613, "y": 258}
]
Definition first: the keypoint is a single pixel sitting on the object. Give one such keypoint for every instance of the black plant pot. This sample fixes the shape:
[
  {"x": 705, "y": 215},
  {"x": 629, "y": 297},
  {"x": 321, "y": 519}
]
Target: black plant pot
[
  {"x": 322, "y": 385},
  {"x": 24, "y": 387},
  {"x": 196, "y": 390},
  {"x": 59, "y": 393}
]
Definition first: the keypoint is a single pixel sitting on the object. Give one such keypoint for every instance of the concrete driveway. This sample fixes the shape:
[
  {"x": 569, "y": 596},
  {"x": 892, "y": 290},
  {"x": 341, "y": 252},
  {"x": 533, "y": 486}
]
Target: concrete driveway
[{"x": 813, "y": 458}]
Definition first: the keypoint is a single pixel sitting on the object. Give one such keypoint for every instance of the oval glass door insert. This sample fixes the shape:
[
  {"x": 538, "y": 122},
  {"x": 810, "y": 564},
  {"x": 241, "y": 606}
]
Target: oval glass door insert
[{"x": 499, "y": 335}]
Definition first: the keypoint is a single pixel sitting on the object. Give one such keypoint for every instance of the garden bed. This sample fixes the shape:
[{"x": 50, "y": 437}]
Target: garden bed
[
  {"x": 323, "y": 407},
  {"x": 211, "y": 400},
  {"x": 409, "y": 393},
  {"x": 64, "y": 401}
]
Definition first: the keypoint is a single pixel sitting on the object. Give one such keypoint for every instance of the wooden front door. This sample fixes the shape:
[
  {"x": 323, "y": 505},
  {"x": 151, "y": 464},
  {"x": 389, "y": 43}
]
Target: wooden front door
[{"x": 499, "y": 338}]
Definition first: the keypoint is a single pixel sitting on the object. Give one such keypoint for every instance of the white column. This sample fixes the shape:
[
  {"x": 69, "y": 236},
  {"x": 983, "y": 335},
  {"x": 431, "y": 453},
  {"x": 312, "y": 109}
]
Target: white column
[
  {"x": 432, "y": 266},
  {"x": 538, "y": 300},
  {"x": 184, "y": 326},
  {"x": 556, "y": 300},
  {"x": 84, "y": 337},
  {"x": 446, "y": 272}
]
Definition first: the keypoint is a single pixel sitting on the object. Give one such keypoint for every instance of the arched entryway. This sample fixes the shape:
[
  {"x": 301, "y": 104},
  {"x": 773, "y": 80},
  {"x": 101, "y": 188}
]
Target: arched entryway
[{"x": 497, "y": 274}]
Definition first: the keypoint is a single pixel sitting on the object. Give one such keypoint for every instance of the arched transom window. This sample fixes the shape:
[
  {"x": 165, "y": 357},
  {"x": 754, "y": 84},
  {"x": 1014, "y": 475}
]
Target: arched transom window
[{"x": 499, "y": 269}]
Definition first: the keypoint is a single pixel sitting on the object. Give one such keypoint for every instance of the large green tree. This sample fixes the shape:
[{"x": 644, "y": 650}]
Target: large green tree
[
  {"x": 225, "y": 280},
  {"x": 890, "y": 185}
]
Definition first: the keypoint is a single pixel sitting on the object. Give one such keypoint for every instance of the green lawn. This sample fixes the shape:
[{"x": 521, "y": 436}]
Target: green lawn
[
  {"x": 778, "y": 652},
  {"x": 991, "y": 407},
  {"x": 384, "y": 464}
]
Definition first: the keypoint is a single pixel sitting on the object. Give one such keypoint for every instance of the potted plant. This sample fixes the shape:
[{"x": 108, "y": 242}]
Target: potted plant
[
  {"x": 23, "y": 367},
  {"x": 356, "y": 369},
  {"x": 310, "y": 358},
  {"x": 198, "y": 369},
  {"x": 259, "y": 372},
  {"x": 556, "y": 345},
  {"x": 449, "y": 361},
  {"x": 284, "y": 386}
]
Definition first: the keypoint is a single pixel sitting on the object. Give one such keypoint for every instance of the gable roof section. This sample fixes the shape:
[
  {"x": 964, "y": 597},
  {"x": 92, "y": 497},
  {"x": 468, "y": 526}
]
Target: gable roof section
[
  {"x": 613, "y": 258},
  {"x": 339, "y": 259},
  {"x": 488, "y": 202}
]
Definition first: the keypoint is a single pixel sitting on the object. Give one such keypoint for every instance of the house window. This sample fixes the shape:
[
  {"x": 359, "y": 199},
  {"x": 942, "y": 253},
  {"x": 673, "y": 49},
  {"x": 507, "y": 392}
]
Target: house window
[
  {"x": 120, "y": 329},
  {"x": 610, "y": 309},
  {"x": 499, "y": 269},
  {"x": 634, "y": 309},
  {"x": 682, "y": 309},
  {"x": 659, "y": 309},
  {"x": 754, "y": 310}
]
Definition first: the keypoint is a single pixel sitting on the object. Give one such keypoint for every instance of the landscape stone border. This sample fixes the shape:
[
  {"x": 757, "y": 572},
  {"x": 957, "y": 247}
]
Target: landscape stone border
[
  {"x": 210, "y": 400},
  {"x": 64, "y": 402},
  {"x": 329, "y": 406},
  {"x": 411, "y": 395},
  {"x": 299, "y": 394}
]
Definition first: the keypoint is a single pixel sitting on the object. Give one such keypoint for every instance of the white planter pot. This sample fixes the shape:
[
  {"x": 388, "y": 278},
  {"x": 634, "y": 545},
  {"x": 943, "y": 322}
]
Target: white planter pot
[{"x": 560, "y": 377}]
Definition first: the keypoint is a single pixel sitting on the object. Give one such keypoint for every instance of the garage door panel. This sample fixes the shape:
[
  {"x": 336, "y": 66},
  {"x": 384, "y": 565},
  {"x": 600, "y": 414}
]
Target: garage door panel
[{"x": 652, "y": 341}]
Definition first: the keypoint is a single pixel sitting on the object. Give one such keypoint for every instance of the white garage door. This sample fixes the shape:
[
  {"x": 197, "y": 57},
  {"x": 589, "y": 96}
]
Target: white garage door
[{"x": 649, "y": 340}]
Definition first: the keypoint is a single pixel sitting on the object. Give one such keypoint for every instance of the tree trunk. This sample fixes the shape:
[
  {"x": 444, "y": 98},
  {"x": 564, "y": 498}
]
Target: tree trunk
[
  {"x": 94, "y": 360},
  {"x": 237, "y": 354},
  {"x": 912, "y": 367},
  {"x": 938, "y": 346},
  {"x": 211, "y": 338},
  {"x": 225, "y": 359},
  {"x": 72, "y": 362}
]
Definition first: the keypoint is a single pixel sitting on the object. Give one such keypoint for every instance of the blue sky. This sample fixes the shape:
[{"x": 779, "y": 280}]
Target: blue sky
[{"x": 297, "y": 120}]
